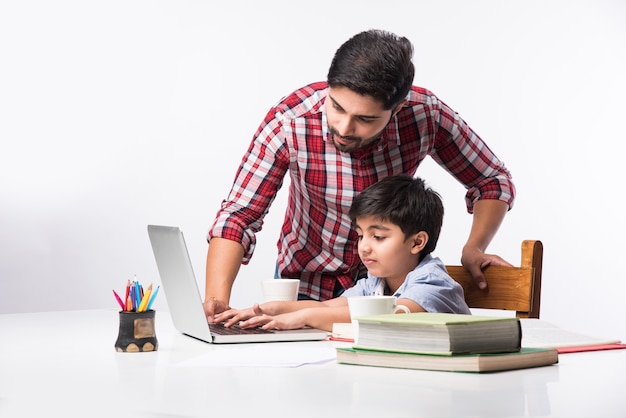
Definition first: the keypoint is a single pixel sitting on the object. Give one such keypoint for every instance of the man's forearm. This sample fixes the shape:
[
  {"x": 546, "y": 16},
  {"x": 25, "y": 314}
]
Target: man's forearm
[
  {"x": 488, "y": 216},
  {"x": 222, "y": 265}
]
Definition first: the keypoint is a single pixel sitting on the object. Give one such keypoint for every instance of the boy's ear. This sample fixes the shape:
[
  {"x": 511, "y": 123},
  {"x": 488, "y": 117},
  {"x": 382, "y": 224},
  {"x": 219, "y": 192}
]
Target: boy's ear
[{"x": 419, "y": 242}]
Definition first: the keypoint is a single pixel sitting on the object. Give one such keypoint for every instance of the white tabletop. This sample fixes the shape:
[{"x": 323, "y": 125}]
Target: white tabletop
[{"x": 65, "y": 363}]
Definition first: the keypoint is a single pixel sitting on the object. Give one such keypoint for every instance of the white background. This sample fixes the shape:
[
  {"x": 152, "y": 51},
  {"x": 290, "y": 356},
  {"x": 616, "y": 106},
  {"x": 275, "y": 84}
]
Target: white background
[{"x": 116, "y": 114}]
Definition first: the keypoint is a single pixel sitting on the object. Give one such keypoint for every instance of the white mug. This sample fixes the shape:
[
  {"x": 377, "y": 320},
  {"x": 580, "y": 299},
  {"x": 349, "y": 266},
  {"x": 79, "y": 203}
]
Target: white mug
[
  {"x": 372, "y": 305},
  {"x": 280, "y": 289}
]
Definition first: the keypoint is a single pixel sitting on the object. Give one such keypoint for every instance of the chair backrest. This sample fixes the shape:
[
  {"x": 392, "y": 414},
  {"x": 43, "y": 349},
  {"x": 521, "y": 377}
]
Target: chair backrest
[{"x": 509, "y": 288}]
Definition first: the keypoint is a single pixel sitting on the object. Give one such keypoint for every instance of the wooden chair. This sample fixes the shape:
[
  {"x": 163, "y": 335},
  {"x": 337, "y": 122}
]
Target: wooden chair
[{"x": 508, "y": 288}]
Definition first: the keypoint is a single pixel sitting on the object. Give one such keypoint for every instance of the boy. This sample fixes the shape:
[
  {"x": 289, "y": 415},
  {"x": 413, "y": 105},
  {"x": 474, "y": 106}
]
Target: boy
[{"x": 398, "y": 221}]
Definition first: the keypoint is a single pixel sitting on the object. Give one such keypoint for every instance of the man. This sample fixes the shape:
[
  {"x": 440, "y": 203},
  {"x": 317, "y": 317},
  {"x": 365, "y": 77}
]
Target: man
[{"x": 336, "y": 138}]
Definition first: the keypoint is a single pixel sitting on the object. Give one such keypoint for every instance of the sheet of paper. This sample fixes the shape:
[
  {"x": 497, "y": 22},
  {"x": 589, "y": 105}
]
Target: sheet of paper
[
  {"x": 263, "y": 355},
  {"x": 539, "y": 333}
]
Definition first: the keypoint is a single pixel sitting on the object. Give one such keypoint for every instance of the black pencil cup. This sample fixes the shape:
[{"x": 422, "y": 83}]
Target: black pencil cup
[{"x": 136, "y": 333}]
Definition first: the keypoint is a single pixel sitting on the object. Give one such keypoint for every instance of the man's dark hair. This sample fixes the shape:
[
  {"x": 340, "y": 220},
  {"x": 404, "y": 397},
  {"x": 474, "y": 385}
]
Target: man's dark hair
[
  {"x": 374, "y": 63},
  {"x": 404, "y": 201}
]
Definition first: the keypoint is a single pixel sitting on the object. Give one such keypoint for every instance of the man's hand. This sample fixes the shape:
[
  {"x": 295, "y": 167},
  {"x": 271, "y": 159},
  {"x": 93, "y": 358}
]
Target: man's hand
[
  {"x": 212, "y": 306},
  {"x": 488, "y": 215},
  {"x": 475, "y": 261}
]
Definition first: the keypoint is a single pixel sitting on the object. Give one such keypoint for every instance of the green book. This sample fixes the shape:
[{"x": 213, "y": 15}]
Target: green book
[
  {"x": 474, "y": 363},
  {"x": 439, "y": 333}
]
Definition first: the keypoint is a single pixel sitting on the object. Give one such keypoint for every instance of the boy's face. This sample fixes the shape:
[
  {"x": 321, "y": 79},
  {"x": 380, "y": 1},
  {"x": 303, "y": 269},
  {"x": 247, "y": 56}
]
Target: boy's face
[
  {"x": 384, "y": 250},
  {"x": 354, "y": 121}
]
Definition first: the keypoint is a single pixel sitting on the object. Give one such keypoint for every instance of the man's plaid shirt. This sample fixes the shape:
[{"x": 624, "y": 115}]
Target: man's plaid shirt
[{"x": 317, "y": 243}]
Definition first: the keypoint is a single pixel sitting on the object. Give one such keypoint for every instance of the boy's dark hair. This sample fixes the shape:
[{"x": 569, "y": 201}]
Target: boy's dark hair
[
  {"x": 374, "y": 63},
  {"x": 404, "y": 201}
]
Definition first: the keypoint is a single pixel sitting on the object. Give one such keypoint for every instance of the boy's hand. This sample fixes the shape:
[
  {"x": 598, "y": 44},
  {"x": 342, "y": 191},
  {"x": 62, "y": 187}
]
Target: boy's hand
[
  {"x": 234, "y": 316},
  {"x": 292, "y": 320}
]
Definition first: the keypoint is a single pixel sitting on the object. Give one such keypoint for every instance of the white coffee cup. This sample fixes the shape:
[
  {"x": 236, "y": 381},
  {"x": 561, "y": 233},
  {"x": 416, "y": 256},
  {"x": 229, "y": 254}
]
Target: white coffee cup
[
  {"x": 280, "y": 289},
  {"x": 372, "y": 305}
]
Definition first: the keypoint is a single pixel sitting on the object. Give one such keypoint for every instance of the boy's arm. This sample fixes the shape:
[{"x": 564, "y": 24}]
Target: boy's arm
[
  {"x": 232, "y": 316},
  {"x": 324, "y": 318},
  {"x": 319, "y": 315}
]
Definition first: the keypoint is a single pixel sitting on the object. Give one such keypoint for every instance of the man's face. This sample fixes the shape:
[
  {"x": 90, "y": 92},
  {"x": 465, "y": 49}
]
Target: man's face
[{"x": 354, "y": 121}]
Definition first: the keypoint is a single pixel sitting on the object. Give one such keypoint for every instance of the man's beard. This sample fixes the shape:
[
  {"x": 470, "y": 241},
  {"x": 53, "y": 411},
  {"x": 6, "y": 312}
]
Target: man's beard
[{"x": 352, "y": 143}]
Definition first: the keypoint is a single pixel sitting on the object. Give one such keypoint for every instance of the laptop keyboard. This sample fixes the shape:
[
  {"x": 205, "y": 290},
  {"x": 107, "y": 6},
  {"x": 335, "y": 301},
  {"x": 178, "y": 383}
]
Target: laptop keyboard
[{"x": 236, "y": 330}]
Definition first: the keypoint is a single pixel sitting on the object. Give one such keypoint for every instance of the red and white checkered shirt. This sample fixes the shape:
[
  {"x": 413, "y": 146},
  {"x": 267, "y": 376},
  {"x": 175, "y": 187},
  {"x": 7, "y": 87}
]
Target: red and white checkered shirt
[{"x": 317, "y": 243}]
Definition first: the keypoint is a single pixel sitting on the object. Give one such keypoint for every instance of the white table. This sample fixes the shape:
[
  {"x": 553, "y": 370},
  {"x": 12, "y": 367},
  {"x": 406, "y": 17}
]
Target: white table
[{"x": 64, "y": 364}]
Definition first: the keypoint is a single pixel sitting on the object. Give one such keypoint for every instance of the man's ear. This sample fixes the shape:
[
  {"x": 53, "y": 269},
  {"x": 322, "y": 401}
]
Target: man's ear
[
  {"x": 419, "y": 241},
  {"x": 399, "y": 107}
]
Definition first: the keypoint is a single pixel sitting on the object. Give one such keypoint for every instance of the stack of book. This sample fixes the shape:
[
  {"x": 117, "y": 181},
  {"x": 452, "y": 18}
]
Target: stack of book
[{"x": 439, "y": 341}]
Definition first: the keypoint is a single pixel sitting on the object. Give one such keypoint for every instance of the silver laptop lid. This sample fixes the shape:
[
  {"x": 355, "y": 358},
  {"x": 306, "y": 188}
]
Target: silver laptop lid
[
  {"x": 184, "y": 300},
  {"x": 179, "y": 282}
]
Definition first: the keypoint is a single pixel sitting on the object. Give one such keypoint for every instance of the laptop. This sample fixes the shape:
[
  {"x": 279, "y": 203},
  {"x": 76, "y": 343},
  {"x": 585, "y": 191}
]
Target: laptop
[{"x": 185, "y": 303}]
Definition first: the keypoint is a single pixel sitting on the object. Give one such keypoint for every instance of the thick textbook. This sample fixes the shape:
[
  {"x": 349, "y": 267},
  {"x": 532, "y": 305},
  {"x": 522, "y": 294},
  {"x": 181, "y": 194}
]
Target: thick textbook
[
  {"x": 439, "y": 333},
  {"x": 535, "y": 333},
  {"x": 476, "y": 363}
]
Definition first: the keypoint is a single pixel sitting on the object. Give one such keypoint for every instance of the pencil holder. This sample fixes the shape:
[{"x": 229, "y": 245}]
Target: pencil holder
[{"x": 136, "y": 333}]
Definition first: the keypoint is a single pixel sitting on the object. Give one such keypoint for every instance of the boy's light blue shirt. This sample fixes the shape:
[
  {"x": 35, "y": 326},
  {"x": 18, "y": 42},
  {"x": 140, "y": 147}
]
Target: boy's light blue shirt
[{"x": 429, "y": 285}]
